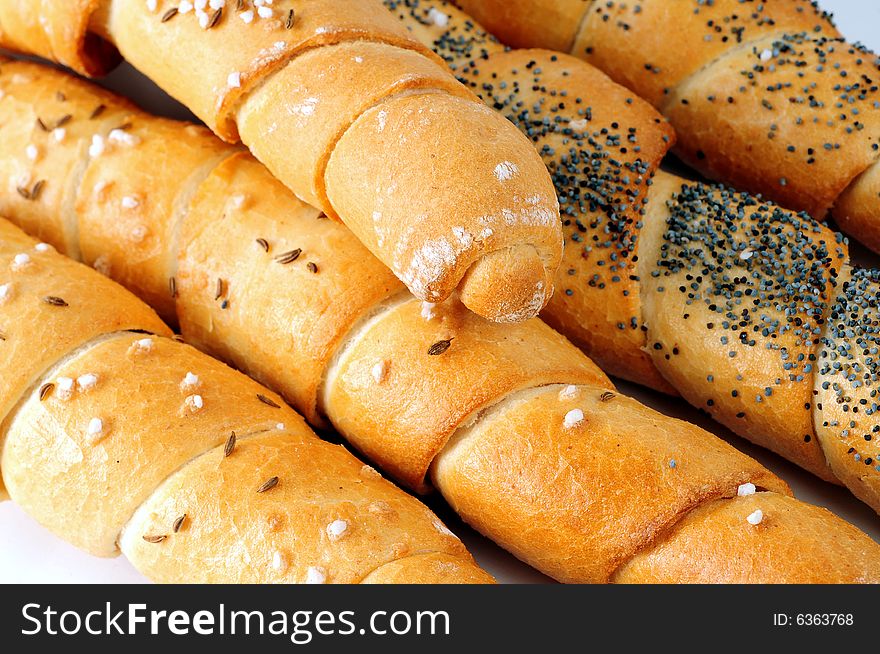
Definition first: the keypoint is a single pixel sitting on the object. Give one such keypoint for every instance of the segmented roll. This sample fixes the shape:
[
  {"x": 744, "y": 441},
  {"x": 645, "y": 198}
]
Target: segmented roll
[
  {"x": 524, "y": 435},
  {"x": 352, "y": 114},
  {"x": 765, "y": 96},
  {"x": 718, "y": 295},
  {"x": 119, "y": 439}
]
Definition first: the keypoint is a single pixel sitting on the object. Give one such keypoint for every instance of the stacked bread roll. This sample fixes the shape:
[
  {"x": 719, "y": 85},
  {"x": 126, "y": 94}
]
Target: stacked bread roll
[
  {"x": 118, "y": 438},
  {"x": 749, "y": 311},
  {"x": 766, "y": 96},
  {"x": 521, "y": 433},
  {"x": 444, "y": 191}
]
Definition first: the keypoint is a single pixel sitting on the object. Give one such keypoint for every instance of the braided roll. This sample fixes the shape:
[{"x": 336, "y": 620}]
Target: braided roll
[
  {"x": 765, "y": 96},
  {"x": 371, "y": 115},
  {"x": 118, "y": 438},
  {"x": 523, "y": 435}
]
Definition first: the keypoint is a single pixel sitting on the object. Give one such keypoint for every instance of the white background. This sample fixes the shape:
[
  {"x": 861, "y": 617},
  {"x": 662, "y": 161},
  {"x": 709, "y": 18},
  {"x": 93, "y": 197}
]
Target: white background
[{"x": 29, "y": 554}]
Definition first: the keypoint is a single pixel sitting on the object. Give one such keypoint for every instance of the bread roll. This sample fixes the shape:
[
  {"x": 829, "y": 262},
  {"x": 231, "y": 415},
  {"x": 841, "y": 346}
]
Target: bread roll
[
  {"x": 117, "y": 438},
  {"x": 320, "y": 94},
  {"x": 517, "y": 428},
  {"x": 767, "y": 97},
  {"x": 743, "y": 346}
]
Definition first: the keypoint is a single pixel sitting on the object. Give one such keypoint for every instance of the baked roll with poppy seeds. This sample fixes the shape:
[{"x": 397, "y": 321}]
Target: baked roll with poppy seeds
[
  {"x": 118, "y": 438},
  {"x": 521, "y": 433},
  {"x": 742, "y": 307},
  {"x": 767, "y": 97},
  {"x": 354, "y": 115}
]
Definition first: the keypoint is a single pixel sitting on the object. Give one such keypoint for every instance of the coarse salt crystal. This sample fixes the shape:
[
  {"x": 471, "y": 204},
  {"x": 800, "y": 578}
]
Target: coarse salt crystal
[
  {"x": 87, "y": 382},
  {"x": 122, "y": 137},
  {"x": 234, "y": 80},
  {"x": 190, "y": 380},
  {"x": 755, "y": 518},
  {"x": 95, "y": 430},
  {"x": 98, "y": 146},
  {"x": 438, "y": 17},
  {"x": 64, "y": 388},
  {"x": 194, "y": 403},
  {"x": 573, "y": 418},
  {"x": 428, "y": 310},
  {"x": 337, "y": 529},
  {"x": 745, "y": 489},
  {"x": 142, "y": 346},
  {"x": 380, "y": 371},
  {"x": 315, "y": 575},
  {"x": 21, "y": 261}
]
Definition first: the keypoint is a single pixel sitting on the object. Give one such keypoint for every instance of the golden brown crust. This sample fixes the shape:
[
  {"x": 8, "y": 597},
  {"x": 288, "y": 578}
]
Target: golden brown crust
[
  {"x": 514, "y": 21},
  {"x": 304, "y": 307},
  {"x": 459, "y": 364},
  {"x": 221, "y": 80},
  {"x": 788, "y": 546},
  {"x": 641, "y": 56},
  {"x": 326, "y": 514},
  {"x": 442, "y": 569},
  {"x": 752, "y": 362},
  {"x": 506, "y": 200},
  {"x": 265, "y": 61},
  {"x": 845, "y": 384},
  {"x": 198, "y": 62},
  {"x": 449, "y": 399},
  {"x": 44, "y": 315},
  {"x": 206, "y": 474},
  {"x": 46, "y": 130},
  {"x": 576, "y": 512},
  {"x": 694, "y": 342},
  {"x": 855, "y": 211},
  {"x": 507, "y": 285},
  {"x": 320, "y": 94},
  {"x": 804, "y": 159},
  {"x": 128, "y": 220},
  {"x": 601, "y": 157},
  {"x": 150, "y": 428},
  {"x": 60, "y": 33},
  {"x": 765, "y": 96}
]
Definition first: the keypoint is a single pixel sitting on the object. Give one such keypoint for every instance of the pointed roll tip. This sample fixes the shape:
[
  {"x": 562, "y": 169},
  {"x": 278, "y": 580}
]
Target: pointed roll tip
[{"x": 508, "y": 285}]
